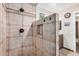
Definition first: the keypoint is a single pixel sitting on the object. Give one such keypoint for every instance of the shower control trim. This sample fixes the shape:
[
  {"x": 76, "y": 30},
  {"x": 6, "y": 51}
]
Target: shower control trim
[{"x": 21, "y": 30}]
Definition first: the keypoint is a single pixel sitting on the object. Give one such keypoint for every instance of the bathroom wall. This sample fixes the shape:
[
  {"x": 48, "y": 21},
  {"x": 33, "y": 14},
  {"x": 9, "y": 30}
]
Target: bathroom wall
[
  {"x": 20, "y": 43},
  {"x": 14, "y": 43},
  {"x": 69, "y": 31},
  {"x": 2, "y": 30},
  {"x": 45, "y": 43}
]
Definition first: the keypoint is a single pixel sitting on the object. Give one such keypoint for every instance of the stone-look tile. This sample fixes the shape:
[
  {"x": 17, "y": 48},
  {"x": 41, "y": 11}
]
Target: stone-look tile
[
  {"x": 14, "y": 6},
  {"x": 16, "y": 39},
  {"x": 28, "y": 20},
  {"x": 27, "y": 41},
  {"x": 13, "y": 30},
  {"x": 29, "y": 8},
  {"x": 27, "y": 51},
  {"x": 45, "y": 44},
  {"x": 34, "y": 30},
  {"x": 49, "y": 32},
  {"x": 27, "y": 31},
  {"x": 3, "y": 31},
  {"x": 15, "y": 42},
  {"x": 39, "y": 43},
  {"x": 38, "y": 52},
  {"x": 15, "y": 52},
  {"x": 14, "y": 19},
  {"x": 30, "y": 43},
  {"x": 38, "y": 46},
  {"x": 49, "y": 36},
  {"x": 1, "y": 49},
  {"x": 49, "y": 47},
  {"x": 4, "y": 47},
  {"x": 14, "y": 23}
]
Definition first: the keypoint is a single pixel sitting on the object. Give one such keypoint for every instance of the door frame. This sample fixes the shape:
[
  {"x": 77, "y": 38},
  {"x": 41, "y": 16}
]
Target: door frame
[{"x": 74, "y": 18}]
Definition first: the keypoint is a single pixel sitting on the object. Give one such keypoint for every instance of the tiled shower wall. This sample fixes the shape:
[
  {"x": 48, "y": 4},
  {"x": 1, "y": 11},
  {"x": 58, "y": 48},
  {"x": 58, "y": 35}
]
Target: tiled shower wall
[
  {"x": 2, "y": 30},
  {"x": 45, "y": 42},
  {"x": 19, "y": 43},
  {"x": 30, "y": 42}
]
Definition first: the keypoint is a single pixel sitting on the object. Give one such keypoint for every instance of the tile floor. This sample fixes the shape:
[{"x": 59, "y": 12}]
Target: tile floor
[{"x": 65, "y": 52}]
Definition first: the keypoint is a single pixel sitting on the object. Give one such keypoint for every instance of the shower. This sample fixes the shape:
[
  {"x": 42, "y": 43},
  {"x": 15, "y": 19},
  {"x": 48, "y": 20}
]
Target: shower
[{"x": 26, "y": 36}]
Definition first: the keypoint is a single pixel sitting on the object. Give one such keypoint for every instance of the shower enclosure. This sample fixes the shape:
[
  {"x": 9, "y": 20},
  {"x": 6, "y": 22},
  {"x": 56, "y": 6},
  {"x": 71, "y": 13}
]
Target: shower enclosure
[
  {"x": 44, "y": 36},
  {"x": 26, "y": 36}
]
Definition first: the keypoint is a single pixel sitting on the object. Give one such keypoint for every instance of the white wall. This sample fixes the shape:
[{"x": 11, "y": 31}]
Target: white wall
[
  {"x": 69, "y": 31},
  {"x": 45, "y": 8}
]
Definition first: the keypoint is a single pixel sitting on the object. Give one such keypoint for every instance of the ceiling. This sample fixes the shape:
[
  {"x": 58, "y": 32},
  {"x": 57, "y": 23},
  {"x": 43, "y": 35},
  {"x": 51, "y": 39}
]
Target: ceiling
[
  {"x": 62, "y": 6},
  {"x": 55, "y": 6}
]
